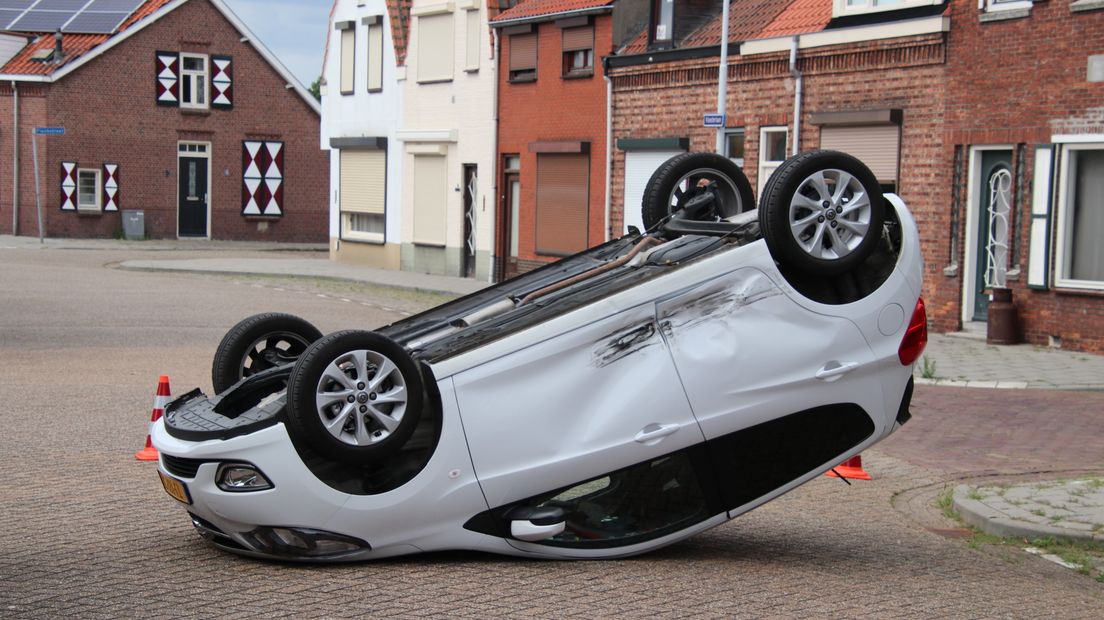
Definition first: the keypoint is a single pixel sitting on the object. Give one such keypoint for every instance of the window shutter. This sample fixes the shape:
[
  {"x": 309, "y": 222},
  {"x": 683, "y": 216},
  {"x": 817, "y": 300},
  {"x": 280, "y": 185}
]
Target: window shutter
[
  {"x": 68, "y": 186},
  {"x": 110, "y": 189},
  {"x": 168, "y": 78},
  {"x": 877, "y": 146},
  {"x": 348, "y": 60},
  {"x": 430, "y": 196},
  {"x": 523, "y": 52},
  {"x": 375, "y": 57},
  {"x": 471, "y": 61},
  {"x": 435, "y": 47},
  {"x": 562, "y": 198},
  {"x": 222, "y": 82},
  {"x": 262, "y": 178},
  {"x": 581, "y": 38},
  {"x": 363, "y": 175},
  {"x": 1038, "y": 253}
]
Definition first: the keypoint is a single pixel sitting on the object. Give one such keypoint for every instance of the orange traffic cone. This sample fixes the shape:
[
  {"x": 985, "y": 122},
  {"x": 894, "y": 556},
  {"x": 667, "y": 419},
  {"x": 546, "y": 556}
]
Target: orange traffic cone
[
  {"x": 149, "y": 453},
  {"x": 851, "y": 468}
]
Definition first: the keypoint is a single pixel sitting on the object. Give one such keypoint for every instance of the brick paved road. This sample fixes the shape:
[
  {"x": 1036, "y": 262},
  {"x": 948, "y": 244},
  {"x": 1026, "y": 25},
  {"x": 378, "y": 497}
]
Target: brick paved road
[{"x": 86, "y": 531}]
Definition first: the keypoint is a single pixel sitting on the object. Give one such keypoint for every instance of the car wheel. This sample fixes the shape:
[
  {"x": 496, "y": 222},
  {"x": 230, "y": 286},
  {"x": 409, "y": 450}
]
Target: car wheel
[
  {"x": 354, "y": 396},
  {"x": 822, "y": 212},
  {"x": 675, "y": 182},
  {"x": 258, "y": 343}
]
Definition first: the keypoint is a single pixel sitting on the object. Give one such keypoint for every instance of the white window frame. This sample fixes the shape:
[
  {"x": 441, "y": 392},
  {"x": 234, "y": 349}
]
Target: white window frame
[
  {"x": 767, "y": 166},
  {"x": 98, "y": 203},
  {"x": 841, "y": 8},
  {"x": 734, "y": 131},
  {"x": 195, "y": 77},
  {"x": 992, "y": 6},
  {"x": 1064, "y": 227},
  {"x": 473, "y": 39}
]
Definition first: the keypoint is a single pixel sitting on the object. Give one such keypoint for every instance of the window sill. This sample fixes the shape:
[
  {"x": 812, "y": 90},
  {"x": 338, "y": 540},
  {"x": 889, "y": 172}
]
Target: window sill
[
  {"x": 435, "y": 81},
  {"x": 1003, "y": 14},
  {"x": 1086, "y": 5},
  {"x": 430, "y": 244},
  {"x": 367, "y": 239},
  {"x": 195, "y": 111},
  {"x": 89, "y": 212},
  {"x": 1067, "y": 288},
  {"x": 262, "y": 218},
  {"x": 471, "y": 70},
  {"x": 523, "y": 79},
  {"x": 576, "y": 75}
]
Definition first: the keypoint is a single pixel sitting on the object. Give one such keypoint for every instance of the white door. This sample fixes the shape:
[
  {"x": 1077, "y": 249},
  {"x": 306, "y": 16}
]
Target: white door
[
  {"x": 639, "y": 166},
  {"x": 577, "y": 406}
]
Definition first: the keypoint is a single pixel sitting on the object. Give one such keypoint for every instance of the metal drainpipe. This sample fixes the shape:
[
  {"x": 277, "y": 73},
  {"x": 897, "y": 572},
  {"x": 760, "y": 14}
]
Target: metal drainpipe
[
  {"x": 798, "y": 81},
  {"x": 15, "y": 158},
  {"x": 495, "y": 159},
  {"x": 722, "y": 79},
  {"x": 609, "y": 144}
]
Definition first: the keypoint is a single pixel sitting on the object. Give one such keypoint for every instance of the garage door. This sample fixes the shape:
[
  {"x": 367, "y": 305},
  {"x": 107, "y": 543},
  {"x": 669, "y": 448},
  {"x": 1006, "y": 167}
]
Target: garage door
[
  {"x": 639, "y": 166},
  {"x": 877, "y": 146}
]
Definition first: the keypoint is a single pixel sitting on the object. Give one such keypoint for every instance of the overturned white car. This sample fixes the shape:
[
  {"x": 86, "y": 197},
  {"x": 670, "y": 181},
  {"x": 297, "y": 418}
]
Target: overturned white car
[{"x": 610, "y": 403}]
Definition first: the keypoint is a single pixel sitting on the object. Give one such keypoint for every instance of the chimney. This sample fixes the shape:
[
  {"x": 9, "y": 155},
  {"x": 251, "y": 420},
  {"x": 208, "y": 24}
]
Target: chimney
[{"x": 59, "y": 54}]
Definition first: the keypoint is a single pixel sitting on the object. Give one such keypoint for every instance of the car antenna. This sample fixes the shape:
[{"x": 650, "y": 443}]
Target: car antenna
[{"x": 841, "y": 477}]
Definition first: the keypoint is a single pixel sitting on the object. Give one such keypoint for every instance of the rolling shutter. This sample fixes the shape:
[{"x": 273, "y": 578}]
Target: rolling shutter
[
  {"x": 471, "y": 60},
  {"x": 168, "y": 78},
  {"x": 523, "y": 52},
  {"x": 375, "y": 57},
  {"x": 348, "y": 60},
  {"x": 639, "y": 167},
  {"x": 562, "y": 197},
  {"x": 877, "y": 146},
  {"x": 222, "y": 82},
  {"x": 68, "y": 186},
  {"x": 581, "y": 38},
  {"x": 110, "y": 190},
  {"x": 435, "y": 49},
  {"x": 363, "y": 186},
  {"x": 430, "y": 185},
  {"x": 1038, "y": 253}
]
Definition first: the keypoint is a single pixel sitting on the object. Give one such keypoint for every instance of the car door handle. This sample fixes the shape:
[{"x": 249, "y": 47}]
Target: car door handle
[
  {"x": 652, "y": 433},
  {"x": 834, "y": 370}
]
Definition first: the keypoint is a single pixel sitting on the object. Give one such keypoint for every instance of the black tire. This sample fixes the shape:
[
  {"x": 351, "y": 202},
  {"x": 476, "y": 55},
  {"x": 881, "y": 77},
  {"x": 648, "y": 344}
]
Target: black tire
[
  {"x": 363, "y": 436},
  {"x": 258, "y": 343},
  {"x": 836, "y": 229},
  {"x": 675, "y": 181}
]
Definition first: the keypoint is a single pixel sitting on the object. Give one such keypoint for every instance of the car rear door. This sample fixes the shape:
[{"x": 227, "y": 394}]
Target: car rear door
[{"x": 779, "y": 390}]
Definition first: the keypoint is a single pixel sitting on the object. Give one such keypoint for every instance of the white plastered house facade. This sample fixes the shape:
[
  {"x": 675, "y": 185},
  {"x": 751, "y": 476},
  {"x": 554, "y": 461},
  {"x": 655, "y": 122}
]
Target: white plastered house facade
[
  {"x": 362, "y": 108},
  {"x": 447, "y": 141}
]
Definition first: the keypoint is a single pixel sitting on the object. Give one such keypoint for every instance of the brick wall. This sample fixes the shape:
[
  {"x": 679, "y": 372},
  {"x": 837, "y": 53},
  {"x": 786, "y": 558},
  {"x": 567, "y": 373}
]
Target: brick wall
[
  {"x": 553, "y": 109},
  {"x": 668, "y": 100},
  {"x": 1018, "y": 82},
  {"x": 108, "y": 108}
]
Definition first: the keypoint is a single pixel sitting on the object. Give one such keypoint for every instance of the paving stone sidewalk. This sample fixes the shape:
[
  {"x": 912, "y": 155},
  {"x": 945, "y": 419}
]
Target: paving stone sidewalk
[
  {"x": 1070, "y": 509},
  {"x": 965, "y": 360}
]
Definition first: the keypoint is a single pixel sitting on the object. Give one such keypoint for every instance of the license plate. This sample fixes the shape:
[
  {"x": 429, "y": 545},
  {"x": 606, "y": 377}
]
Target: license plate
[{"x": 177, "y": 489}]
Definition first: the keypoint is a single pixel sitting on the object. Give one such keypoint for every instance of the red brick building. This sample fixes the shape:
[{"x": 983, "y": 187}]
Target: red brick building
[
  {"x": 1024, "y": 135},
  {"x": 551, "y": 130},
  {"x": 173, "y": 108}
]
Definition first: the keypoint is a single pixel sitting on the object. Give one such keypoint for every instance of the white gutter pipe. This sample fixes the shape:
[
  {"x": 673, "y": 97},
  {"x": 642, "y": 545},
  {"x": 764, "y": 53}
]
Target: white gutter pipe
[
  {"x": 722, "y": 78},
  {"x": 609, "y": 148},
  {"x": 798, "y": 83},
  {"x": 15, "y": 158},
  {"x": 495, "y": 159}
]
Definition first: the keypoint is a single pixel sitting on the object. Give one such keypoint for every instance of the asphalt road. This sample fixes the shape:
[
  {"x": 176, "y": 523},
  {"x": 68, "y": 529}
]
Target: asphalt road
[{"x": 86, "y": 531}]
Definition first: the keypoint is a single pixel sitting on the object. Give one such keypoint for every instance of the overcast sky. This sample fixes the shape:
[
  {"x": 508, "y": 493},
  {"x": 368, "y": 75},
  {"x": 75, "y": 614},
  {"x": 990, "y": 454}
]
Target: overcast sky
[{"x": 294, "y": 30}]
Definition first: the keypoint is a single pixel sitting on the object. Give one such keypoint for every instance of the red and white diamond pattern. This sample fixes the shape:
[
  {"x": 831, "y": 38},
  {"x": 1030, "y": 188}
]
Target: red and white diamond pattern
[
  {"x": 222, "y": 83},
  {"x": 111, "y": 187},
  {"x": 262, "y": 178},
  {"x": 68, "y": 186},
  {"x": 168, "y": 78}
]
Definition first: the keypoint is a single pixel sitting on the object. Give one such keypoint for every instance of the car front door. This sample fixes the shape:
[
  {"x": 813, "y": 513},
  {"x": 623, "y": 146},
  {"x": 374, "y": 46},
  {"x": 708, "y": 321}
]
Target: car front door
[
  {"x": 779, "y": 390},
  {"x": 584, "y": 402}
]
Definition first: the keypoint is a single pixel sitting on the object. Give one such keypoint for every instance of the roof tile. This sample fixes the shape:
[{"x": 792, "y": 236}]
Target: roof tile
[{"x": 538, "y": 8}]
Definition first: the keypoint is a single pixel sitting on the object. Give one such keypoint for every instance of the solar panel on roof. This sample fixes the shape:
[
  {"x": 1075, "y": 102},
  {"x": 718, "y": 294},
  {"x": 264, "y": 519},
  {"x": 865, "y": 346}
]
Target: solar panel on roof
[
  {"x": 7, "y": 16},
  {"x": 68, "y": 6},
  {"x": 96, "y": 23},
  {"x": 15, "y": 4},
  {"x": 41, "y": 21},
  {"x": 114, "y": 6}
]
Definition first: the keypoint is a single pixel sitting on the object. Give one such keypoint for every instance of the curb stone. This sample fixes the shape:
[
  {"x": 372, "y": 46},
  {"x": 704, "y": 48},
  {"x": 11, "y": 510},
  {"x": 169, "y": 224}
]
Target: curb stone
[{"x": 997, "y": 523}]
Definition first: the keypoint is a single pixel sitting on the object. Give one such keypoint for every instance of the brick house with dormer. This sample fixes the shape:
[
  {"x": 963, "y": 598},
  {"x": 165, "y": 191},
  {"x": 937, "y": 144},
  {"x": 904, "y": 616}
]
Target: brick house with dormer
[{"x": 170, "y": 107}]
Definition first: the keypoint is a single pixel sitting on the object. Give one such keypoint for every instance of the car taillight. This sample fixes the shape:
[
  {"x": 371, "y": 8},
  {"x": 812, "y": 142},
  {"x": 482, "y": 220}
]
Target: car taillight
[{"x": 916, "y": 336}]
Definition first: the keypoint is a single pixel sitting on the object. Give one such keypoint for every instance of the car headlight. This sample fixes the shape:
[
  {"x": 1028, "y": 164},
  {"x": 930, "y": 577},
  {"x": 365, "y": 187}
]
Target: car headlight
[{"x": 240, "y": 478}]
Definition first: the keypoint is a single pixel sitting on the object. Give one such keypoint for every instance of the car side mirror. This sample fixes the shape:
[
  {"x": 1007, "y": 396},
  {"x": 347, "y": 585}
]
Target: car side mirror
[{"x": 531, "y": 523}]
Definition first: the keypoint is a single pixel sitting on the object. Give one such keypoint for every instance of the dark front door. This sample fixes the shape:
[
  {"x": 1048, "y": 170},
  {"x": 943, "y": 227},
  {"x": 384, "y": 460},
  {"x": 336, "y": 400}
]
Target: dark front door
[
  {"x": 193, "y": 197},
  {"x": 994, "y": 166}
]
